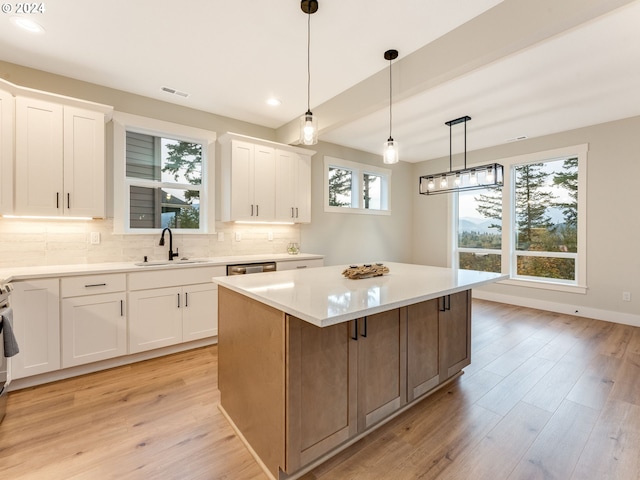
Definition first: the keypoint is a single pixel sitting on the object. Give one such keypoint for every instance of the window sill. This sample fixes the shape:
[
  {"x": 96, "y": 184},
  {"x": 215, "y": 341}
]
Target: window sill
[{"x": 545, "y": 285}]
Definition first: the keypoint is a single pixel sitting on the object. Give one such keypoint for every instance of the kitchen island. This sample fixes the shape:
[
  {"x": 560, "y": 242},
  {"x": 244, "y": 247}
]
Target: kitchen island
[{"x": 310, "y": 361}]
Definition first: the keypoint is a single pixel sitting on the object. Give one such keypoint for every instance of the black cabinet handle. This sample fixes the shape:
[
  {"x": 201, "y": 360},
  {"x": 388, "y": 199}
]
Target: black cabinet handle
[
  {"x": 122, "y": 308},
  {"x": 57, "y": 199},
  {"x": 355, "y": 335},
  {"x": 95, "y": 285},
  {"x": 296, "y": 212},
  {"x": 178, "y": 300},
  {"x": 257, "y": 210},
  {"x": 252, "y": 209},
  {"x": 364, "y": 330},
  {"x": 446, "y": 303},
  {"x": 186, "y": 299},
  {"x": 68, "y": 200}
]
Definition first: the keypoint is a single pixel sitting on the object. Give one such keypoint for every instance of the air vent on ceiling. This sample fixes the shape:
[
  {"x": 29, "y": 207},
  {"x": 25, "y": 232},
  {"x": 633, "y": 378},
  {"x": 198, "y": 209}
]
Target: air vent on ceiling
[{"x": 173, "y": 91}]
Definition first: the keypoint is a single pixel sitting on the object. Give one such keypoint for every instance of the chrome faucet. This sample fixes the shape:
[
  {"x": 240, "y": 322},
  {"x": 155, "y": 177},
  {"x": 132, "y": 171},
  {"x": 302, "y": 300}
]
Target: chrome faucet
[{"x": 171, "y": 254}]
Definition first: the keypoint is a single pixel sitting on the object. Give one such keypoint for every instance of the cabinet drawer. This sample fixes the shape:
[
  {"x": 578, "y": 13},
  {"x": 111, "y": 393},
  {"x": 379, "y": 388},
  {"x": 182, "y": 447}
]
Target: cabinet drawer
[
  {"x": 93, "y": 284},
  {"x": 295, "y": 264},
  {"x": 172, "y": 277}
]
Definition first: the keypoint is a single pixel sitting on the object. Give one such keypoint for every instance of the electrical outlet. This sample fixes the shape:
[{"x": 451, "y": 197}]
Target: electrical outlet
[
  {"x": 238, "y": 237},
  {"x": 626, "y": 296},
  {"x": 95, "y": 238},
  {"x": 271, "y": 236},
  {"x": 221, "y": 236}
]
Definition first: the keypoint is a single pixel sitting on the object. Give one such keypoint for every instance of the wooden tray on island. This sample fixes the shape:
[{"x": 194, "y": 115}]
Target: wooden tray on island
[{"x": 356, "y": 272}]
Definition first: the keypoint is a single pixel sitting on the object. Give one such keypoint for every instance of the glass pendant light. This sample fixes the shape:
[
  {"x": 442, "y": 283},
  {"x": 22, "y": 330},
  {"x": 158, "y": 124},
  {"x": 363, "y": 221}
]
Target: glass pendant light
[
  {"x": 390, "y": 149},
  {"x": 308, "y": 123}
]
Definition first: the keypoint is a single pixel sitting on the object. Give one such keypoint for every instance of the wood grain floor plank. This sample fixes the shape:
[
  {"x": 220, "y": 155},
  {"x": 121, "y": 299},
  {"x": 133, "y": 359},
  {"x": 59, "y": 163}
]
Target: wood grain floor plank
[{"x": 538, "y": 381}]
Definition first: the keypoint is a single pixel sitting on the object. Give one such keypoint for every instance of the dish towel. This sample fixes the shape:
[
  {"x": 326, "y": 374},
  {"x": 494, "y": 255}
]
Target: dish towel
[{"x": 10, "y": 343}]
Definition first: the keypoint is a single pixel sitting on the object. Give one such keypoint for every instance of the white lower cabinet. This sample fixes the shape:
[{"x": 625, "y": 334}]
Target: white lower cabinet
[
  {"x": 94, "y": 322},
  {"x": 36, "y": 325},
  {"x": 155, "y": 319},
  {"x": 200, "y": 315},
  {"x": 182, "y": 306}
]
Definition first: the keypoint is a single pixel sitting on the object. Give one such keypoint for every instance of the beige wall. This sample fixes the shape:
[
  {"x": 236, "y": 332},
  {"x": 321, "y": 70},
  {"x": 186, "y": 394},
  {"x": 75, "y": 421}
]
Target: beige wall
[
  {"x": 347, "y": 238},
  {"x": 613, "y": 221}
]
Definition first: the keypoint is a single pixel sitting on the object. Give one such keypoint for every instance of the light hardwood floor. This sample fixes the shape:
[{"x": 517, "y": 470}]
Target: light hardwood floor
[{"x": 547, "y": 396}]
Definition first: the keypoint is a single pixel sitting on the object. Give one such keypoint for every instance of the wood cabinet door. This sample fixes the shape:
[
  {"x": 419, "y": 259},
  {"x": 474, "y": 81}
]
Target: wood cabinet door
[
  {"x": 422, "y": 348},
  {"x": 200, "y": 312},
  {"x": 84, "y": 163},
  {"x": 36, "y": 324},
  {"x": 39, "y": 153},
  {"x": 155, "y": 318},
  {"x": 94, "y": 327},
  {"x": 381, "y": 366},
  {"x": 321, "y": 390},
  {"x": 455, "y": 333}
]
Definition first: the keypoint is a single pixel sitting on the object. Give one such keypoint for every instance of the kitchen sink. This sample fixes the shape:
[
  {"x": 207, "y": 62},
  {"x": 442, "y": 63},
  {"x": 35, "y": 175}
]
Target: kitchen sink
[{"x": 156, "y": 263}]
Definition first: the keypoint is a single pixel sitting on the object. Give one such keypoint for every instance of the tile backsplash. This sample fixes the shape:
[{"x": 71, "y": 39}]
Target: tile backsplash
[{"x": 26, "y": 243}]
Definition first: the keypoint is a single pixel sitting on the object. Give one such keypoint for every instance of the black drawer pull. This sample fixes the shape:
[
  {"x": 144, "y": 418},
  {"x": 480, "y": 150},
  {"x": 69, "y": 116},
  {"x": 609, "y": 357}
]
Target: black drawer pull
[{"x": 96, "y": 285}]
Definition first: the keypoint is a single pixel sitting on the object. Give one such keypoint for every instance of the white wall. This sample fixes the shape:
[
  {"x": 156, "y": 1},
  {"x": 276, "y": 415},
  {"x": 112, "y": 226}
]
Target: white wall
[{"x": 613, "y": 222}]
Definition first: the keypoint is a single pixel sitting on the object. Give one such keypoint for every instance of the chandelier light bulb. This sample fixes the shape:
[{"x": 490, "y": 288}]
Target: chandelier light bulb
[
  {"x": 457, "y": 180},
  {"x": 490, "y": 175},
  {"x": 473, "y": 179},
  {"x": 443, "y": 182},
  {"x": 390, "y": 150}
]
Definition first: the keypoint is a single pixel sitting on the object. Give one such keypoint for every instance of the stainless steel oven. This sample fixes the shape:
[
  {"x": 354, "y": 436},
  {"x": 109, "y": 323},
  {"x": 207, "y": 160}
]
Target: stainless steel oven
[{"x": 246, "y": 268}]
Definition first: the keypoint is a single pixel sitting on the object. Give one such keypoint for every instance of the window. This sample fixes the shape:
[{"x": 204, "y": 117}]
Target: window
[
  {"x": 543, "y": 217},
  {"x": 161, "y": 177},
  {"x": 356, "y": 188},
  {"x": 164, "y": 177}
]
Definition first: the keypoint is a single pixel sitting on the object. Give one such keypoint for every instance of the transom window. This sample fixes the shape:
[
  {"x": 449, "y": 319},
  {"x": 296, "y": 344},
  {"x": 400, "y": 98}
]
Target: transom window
[
  {"x": 534, "y": 227},
  {"x": 356, "y": 187}
]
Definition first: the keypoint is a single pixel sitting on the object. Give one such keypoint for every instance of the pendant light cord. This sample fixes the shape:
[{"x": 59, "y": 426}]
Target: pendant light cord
[
  {"x": 390, "y": 102},
  {"x": 309, "y": 61}
]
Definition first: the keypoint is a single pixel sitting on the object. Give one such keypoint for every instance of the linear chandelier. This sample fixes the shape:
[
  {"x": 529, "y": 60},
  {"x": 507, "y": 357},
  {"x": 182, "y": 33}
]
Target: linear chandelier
[{"x": 474, "y": 178}]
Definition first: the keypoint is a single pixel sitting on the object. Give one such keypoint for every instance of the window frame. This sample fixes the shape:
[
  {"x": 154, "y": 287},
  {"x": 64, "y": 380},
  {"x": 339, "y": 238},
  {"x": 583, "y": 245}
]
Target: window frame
[
  {"x": 123, "y": 122},
  {"x": 358, "y": 170},
  {"x": 508, "y": 251}
]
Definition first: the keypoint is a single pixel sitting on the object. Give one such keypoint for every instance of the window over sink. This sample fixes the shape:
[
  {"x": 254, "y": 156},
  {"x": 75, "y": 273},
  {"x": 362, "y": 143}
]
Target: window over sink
[{"x": 162, "y": 176}]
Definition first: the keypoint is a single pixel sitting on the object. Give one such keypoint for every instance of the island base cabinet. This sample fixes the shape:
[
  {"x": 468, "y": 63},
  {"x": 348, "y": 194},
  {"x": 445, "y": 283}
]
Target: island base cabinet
[
  {"x": 454, "y": 333},
  {"x": 321, "y": 390},
  {"x": 381, "y": 347},
  {"x": 423, "y": 373}
]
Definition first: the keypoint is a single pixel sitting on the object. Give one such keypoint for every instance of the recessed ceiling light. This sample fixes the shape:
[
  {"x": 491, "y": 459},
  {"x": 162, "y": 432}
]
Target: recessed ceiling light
[
  {"x": 274, "y": 102},
  {"x": 27, "y": 24}
]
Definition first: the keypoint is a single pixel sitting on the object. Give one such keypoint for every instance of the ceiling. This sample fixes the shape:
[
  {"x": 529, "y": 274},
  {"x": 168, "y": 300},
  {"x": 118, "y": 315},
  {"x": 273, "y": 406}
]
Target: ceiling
[{"x": 518, "y": 68}]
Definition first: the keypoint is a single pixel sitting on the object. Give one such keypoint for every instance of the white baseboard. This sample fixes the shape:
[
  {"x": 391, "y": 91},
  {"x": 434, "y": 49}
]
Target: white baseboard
[{"x": 580, "y": 311}]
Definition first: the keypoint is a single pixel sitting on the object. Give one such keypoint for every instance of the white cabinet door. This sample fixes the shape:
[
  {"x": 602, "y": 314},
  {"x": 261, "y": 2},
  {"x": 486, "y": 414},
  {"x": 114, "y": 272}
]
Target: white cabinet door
[
  {"x": 7, "y": 104},
  {"x": 200, "y": 313},
  {"x": 84, "y": 165},
  {"x": 36, "y": 324},
  {"x": 60, "y": 160},
  {"x": 94, "y": 327},
  {"x": 264, "y": 187},
  {"x": 303, "y": 190},
  {"x": 286, "y": 185},
  {"x": 241, "y": 181},
  {"x": 39, "y": 154},
  {"x": 155, "y": 318}
]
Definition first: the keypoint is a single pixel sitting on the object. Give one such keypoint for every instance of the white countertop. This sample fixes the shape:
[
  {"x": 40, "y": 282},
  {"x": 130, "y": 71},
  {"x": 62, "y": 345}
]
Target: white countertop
[
  {"x": 45, "y": 271},
  {"x": 323, "y": 297}
]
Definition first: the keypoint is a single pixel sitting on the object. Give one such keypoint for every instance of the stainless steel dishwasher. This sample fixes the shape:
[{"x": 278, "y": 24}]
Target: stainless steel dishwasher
[{"x": 246, "y": 268}]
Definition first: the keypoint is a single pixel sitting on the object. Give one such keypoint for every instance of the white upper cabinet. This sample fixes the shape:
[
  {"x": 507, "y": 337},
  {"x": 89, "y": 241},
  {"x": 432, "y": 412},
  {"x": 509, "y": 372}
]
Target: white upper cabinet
[
  {"x": 7, "y": 103},
  {"x": 264, "y": 181},
  {"x": 60, "y": 160}
]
